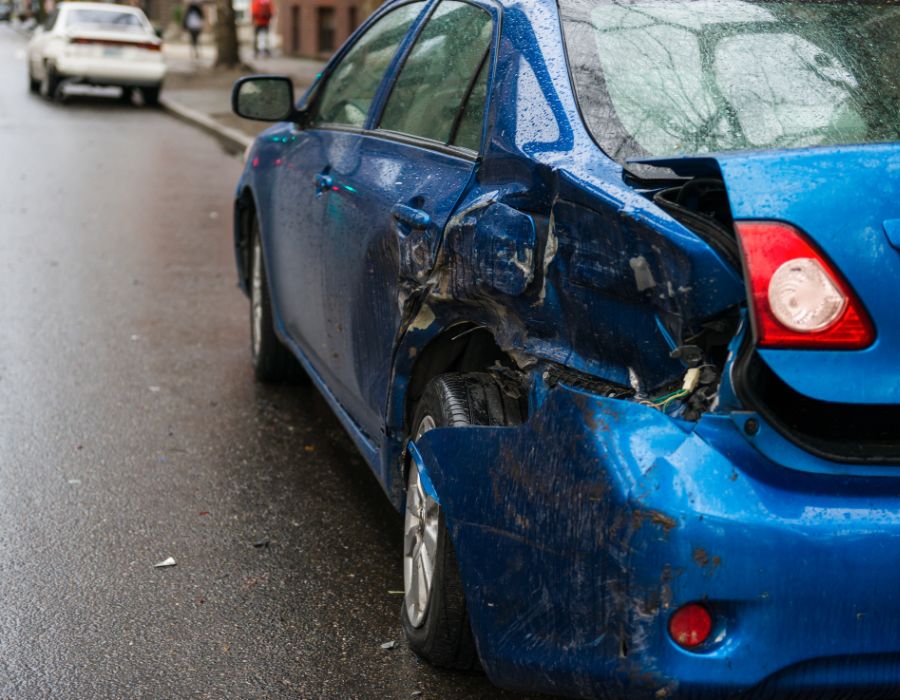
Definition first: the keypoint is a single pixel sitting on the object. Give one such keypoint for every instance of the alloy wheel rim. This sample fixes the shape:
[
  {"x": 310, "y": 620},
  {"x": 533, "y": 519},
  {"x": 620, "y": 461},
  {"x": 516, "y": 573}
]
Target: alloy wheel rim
[
  {"x": 256, "y": 298},
  {"x": 420, "y": 530}
]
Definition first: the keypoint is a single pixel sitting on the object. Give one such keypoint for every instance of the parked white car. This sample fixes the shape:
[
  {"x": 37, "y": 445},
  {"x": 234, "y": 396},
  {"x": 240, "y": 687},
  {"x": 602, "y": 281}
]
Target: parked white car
[{"x": 96, "y": 44}]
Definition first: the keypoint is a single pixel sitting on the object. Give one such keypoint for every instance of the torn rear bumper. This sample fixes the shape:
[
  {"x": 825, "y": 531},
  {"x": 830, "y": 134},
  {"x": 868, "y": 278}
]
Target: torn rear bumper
[{"x": 581, "y": 531}]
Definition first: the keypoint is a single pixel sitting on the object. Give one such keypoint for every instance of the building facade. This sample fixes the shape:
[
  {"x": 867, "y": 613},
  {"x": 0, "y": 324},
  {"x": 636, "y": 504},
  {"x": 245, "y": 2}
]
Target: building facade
[{"x": 315, "y": 28}]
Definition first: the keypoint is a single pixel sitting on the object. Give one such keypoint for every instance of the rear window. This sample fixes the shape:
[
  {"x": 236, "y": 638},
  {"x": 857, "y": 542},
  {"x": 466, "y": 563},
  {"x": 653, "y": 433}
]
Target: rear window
[
  {"x": 664, "y": 77},
  {"x": 106, "y": 19}
]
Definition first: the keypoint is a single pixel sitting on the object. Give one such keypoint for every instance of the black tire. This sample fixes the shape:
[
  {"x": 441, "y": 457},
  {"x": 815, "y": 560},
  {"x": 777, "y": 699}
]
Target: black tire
[
  {"x": 272, "y": 361},
  {"x": 444, "y": 637},
  {"x": 51, "y": 83},
  {"x": 151, "y": 95},
  {"x": 126, "y": 98},
  {"x": 34, "y": 86}
]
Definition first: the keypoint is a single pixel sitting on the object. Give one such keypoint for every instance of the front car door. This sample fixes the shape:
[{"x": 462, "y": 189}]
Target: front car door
[
  {"x": 302, "y": 252},
  {"x": 388, "y": 200}
]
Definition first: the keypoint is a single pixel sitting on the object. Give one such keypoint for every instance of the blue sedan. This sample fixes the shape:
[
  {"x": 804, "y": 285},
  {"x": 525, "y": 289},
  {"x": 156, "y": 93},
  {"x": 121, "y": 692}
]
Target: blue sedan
[{"x": 605, "y": 292}]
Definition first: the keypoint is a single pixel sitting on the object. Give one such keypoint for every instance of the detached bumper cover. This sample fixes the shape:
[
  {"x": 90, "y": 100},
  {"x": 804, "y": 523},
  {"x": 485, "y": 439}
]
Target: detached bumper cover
[{"x": 580, "y": 532}]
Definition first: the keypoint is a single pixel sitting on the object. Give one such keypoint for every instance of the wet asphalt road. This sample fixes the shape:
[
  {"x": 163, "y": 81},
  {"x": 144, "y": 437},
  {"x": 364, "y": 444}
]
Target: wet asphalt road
[{"x": 131, "y": 430}]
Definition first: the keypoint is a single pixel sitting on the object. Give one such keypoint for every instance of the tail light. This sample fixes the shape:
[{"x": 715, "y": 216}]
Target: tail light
[
  {"x": 798, "y": 298},
  {"x": 146, "y": 45}
]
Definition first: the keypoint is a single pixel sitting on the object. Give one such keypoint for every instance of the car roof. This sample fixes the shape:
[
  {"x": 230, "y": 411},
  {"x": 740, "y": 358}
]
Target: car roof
[{"x": 113, "y": 7}]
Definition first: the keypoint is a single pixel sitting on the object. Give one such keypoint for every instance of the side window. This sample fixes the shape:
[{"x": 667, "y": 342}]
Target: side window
[
  {"x": 349, "y": 90},
  {"x": 440, "y": 92},
  {"x": 468, "y": 131}
]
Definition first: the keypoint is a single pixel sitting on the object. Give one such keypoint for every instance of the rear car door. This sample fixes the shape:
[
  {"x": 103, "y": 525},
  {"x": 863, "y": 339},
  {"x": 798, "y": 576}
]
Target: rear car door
[
  {"x": 387, "y": 205},
  {"x": 302, "y": 253}
]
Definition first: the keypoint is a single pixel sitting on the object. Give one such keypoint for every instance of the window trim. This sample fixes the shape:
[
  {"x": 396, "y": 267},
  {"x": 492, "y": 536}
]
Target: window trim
[
  {"x": 496, "y": 14},
  {"x": 421, "y": 142}
]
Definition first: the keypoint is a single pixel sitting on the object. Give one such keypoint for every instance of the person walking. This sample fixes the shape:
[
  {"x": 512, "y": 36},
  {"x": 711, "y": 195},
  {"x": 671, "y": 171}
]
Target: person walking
[
  {"x": 193, "y": 23},
  {"x": 262, "y": 13}
]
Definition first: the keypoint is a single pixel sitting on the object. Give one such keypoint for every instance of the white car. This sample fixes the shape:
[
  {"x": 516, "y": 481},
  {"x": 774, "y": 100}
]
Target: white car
[{"x": 96, "y": 44}]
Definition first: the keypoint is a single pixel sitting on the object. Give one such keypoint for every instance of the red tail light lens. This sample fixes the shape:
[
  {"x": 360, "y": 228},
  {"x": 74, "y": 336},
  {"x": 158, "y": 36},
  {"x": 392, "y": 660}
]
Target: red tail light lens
[
  {"x": 147, "y": 46},
  {"x": 690, "y": 625},
  {"x": 798, "y": 298}
]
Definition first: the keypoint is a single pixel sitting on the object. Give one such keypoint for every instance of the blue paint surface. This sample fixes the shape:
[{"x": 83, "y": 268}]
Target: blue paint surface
[{"x": 580, "y": 531}]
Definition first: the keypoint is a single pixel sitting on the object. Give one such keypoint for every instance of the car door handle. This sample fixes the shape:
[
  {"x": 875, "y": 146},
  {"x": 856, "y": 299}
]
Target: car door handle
[
  {"x": 323, "y": 182},
  {"x": 414, "y": 218}
]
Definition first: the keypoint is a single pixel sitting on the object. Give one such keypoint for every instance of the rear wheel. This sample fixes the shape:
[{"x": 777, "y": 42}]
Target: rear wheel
[
  {"x": 272, "y": 361},
  {"x": 33, "y": 84},
  {"x": 50, "y": 85},
  {"x": 434, "y": 614},
  {"x": 151, "y": 95}
]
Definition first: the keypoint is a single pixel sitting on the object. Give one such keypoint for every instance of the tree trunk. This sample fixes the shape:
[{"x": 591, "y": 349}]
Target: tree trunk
[{"x": 227, "y": 53}]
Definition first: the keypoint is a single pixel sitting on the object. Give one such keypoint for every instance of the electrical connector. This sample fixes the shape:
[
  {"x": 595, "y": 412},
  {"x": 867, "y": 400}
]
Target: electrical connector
[{"x": 691, "y": 379}]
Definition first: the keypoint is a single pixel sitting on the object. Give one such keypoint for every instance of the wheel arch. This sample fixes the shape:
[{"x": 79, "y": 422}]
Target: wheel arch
[
  {"x": 462, "y": 346},
  {"x": 244, "y": 210}
]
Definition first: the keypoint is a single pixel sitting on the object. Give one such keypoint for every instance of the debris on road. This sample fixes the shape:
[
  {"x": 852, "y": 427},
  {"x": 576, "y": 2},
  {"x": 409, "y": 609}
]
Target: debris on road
[
  {"x": 165, "y": 563},
  {"x": 264, "y": 542},
  {"x": 389, "y": 645}
]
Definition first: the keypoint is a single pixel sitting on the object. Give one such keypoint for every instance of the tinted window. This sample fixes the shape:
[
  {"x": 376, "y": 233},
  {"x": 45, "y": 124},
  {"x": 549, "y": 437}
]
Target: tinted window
[
  {"x": 127, "y": 21},
  {"x": 439, "y": 75},
  {"x": 468, "y": 133},
  {"x": 657, "y": 77},
  {"x": 348, "y": 93}
]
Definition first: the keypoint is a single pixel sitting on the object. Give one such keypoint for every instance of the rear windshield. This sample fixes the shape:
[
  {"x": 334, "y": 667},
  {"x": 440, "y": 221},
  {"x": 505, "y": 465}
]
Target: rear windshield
[
  {"x": 664, "y": 77},
  {"x": 107, "y": 19}
]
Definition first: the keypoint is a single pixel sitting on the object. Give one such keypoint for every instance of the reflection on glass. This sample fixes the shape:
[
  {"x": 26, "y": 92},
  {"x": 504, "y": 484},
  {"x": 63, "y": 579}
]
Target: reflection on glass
[
  {"x": 658, "y": 77},
  {"x": 439, "y": 74},
  {"x": 265, "y": 99},
  {"x": 350, "y": 89}
]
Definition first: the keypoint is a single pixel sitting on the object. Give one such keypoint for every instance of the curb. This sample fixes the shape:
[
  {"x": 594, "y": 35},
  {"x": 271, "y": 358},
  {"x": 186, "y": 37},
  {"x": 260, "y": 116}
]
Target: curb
[{"x": 233, "y": 139}]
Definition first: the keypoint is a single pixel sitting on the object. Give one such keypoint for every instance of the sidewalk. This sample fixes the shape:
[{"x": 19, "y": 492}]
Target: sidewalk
[{"x": 200, "y": 94}]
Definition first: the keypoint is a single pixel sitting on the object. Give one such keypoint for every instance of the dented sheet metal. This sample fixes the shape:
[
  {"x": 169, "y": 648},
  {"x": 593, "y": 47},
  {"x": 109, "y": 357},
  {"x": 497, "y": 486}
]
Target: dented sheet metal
[
  {"x": 580, "y": 531},
  {"x": 844, "y": 198}
]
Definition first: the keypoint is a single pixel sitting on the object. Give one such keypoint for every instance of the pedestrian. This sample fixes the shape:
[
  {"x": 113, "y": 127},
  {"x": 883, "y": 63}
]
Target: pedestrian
[
  {"x": 193, "y": 23},
  {"x": 262, "y": 12}
]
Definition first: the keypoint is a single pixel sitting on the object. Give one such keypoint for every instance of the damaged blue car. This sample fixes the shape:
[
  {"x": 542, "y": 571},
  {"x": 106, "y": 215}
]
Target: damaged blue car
[{"x": 605, "y": 292}]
